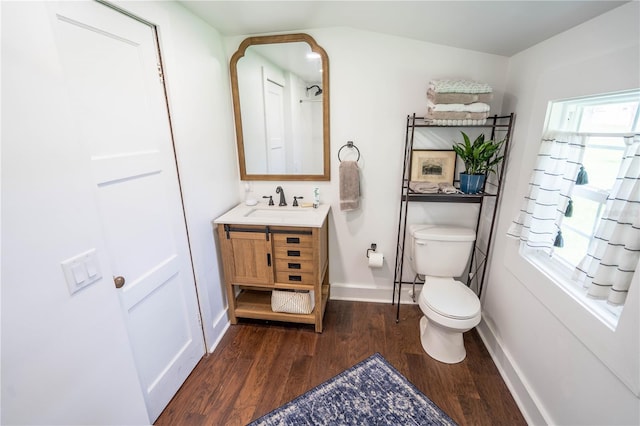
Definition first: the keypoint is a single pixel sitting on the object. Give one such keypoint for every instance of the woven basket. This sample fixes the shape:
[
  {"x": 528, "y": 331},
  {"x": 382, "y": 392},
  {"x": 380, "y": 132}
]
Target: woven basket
[{"x": 292, "y": 302}]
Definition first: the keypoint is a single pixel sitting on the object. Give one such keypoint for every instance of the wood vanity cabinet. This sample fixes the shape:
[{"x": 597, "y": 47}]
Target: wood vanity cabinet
[{"x": 257, "y": 259}]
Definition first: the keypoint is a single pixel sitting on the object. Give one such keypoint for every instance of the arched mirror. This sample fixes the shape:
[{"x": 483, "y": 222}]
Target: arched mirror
[{"x": 280, "y": 87}]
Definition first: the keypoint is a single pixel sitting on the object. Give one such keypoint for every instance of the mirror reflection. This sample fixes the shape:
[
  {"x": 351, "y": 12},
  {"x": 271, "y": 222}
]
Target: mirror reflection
[{"x": 280, "y": 94}]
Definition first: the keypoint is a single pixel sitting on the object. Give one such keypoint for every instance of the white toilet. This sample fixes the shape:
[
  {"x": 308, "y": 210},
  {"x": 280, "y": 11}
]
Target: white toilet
[{"x": 450, "y": 308}]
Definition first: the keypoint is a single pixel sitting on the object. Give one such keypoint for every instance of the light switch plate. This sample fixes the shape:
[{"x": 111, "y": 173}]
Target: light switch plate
[{"x": 81, "y": 270}]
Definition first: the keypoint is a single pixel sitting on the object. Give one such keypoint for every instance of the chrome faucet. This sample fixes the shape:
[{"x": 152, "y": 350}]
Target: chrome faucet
[{"x": 280, "y": 191}]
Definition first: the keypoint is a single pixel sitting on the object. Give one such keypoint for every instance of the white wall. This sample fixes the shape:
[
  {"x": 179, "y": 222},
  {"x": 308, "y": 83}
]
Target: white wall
[
  {"x": 66, "y": 359},
  {"x": 564, "y": 366},
  {"x": 376, "y": 81}
]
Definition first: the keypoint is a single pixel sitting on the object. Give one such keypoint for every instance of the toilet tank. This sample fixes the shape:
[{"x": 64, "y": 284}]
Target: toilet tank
[{"x": 440, "y": 251}]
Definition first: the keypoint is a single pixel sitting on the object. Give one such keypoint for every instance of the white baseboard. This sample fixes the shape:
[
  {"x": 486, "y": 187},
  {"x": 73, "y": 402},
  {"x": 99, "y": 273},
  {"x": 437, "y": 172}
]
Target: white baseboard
[
  {"x": 525, "y": 398},
  {"x": 369, "y": 293},
  {"x": 218, "y": 328}
]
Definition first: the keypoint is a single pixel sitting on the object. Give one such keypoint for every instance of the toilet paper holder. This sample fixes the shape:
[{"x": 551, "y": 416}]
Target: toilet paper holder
[{"x": 373, "y": 248}]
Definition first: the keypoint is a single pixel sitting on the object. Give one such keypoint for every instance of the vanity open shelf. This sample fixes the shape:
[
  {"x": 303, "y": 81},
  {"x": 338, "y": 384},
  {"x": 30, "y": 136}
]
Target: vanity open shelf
[{"x": 256, "y": 304}]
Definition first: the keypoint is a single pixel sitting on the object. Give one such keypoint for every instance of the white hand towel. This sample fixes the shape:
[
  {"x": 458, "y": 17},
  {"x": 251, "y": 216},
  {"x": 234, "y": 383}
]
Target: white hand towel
[{"x": 349, "y": 185}]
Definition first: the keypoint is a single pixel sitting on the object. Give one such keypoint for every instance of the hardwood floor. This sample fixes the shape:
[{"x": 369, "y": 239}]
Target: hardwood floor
[{"x": 259, "y": 366}]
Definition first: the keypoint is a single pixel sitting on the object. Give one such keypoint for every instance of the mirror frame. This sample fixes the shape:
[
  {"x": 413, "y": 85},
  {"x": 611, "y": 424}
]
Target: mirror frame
[{"x": 274, "y": 39}]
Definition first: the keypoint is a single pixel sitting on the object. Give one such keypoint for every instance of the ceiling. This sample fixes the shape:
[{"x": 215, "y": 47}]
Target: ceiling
[{"x": 498, "y": 27}]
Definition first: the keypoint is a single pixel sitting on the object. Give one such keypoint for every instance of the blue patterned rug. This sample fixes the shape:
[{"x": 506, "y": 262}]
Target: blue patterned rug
[{"x": 371, "y": 392}]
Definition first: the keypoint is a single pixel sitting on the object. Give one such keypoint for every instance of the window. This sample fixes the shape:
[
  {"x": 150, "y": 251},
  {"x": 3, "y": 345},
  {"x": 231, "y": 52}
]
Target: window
[{"x": 602, "y": 124}]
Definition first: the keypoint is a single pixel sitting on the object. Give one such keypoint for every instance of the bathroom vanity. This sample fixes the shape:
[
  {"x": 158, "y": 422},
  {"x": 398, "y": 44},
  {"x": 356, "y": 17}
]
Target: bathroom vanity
[{"x": 266, "y": 248}]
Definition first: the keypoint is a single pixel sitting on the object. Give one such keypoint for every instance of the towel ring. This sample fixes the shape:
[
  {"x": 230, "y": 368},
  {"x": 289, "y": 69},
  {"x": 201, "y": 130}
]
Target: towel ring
[{"x": 349, "y": 144}]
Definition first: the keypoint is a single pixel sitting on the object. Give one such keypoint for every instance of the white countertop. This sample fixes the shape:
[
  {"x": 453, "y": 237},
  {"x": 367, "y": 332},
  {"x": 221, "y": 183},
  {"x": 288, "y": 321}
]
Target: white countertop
[{"x": 263, "y": 214}]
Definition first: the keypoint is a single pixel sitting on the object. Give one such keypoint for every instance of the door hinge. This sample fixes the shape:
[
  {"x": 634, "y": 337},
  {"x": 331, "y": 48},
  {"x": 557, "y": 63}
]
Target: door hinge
[{"x": 160, "y": 74}]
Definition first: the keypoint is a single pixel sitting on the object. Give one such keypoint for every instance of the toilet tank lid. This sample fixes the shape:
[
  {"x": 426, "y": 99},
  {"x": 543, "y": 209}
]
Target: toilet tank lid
[{"x": 442, "y": 233}]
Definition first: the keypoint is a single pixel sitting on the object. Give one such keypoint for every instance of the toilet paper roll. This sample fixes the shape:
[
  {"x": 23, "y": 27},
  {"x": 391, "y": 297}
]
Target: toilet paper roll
[{"x": 376, "y": 260}]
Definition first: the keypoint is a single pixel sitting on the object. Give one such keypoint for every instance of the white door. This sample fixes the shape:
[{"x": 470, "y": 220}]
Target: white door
[
  {"x": 112, "y": 70},
  {"x": 274, "y": 119}
]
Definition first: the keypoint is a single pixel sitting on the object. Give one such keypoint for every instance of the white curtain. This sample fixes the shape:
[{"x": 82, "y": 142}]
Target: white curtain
[
  {"x": 609, "y": 266},
  {"x": 550, "y": 187}
]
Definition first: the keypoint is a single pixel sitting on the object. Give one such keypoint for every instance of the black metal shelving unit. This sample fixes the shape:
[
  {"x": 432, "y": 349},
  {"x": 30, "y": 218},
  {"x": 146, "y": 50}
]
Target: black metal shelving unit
[{"x": 501, "y": 128}]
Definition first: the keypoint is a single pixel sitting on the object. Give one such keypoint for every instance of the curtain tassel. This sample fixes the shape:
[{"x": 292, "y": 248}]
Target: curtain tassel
[
  {"x": 559, "y": 242},
  {"x": 582, "y": 178},
  {"x": 569, "y": 211}
]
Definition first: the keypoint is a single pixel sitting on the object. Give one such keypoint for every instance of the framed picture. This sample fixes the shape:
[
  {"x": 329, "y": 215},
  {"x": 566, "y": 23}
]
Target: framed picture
[{"x": 435, "y": 166}]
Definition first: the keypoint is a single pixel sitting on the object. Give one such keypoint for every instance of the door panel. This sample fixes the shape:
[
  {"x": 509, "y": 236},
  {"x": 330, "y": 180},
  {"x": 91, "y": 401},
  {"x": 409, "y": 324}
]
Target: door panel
[
  {"x": 274, "y": 119},
  {"x": 111, "y": 64}
]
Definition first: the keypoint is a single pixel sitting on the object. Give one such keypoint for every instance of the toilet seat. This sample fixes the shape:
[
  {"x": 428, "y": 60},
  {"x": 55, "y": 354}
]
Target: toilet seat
[{"x": 450, "y": 298}]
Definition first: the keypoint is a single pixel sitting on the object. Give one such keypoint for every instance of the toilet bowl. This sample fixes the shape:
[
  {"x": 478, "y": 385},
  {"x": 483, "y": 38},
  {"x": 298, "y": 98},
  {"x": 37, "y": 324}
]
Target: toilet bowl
[{"x": 450, "y": 308}]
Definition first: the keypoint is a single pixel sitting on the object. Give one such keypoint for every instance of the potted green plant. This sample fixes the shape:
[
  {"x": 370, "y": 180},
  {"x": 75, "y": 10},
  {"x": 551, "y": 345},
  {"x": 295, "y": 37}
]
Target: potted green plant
[{"x": 480, "y": 157}]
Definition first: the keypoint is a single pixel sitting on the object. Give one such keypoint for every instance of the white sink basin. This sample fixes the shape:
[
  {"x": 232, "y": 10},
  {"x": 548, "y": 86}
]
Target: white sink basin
[
  {"x": 278, "y": 213},
  {"x": 263, "y": 214}
]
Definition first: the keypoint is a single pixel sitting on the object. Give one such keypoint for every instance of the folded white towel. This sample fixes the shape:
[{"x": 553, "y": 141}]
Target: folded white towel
[
  {"x": 474, "y": 107},
  {"x": 459, "y": 86},
  {"x": 456, "y": 115},
  {"x": 456, "y": 122}
]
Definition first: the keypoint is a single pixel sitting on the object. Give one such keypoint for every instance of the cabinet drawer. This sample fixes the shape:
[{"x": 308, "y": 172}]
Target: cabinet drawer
[
  {"x": 294, "y": 254},
  {"x": 292, "y": 240},
  {"x": 293, "y": 266},
  {"x": 295, "y": 277}
]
